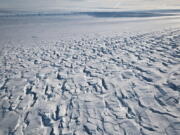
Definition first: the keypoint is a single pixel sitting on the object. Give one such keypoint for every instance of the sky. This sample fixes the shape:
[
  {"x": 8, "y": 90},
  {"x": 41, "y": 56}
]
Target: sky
[{"x": 46, "y": 5}]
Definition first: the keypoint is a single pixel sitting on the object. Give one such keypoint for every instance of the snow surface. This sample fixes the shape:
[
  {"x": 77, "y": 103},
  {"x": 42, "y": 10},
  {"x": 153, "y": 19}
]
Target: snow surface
[{"x": 89, "y": 75}]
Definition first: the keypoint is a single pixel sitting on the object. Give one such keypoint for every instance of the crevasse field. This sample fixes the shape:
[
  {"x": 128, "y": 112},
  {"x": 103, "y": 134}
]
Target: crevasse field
[{"x": 99, "y": 69}]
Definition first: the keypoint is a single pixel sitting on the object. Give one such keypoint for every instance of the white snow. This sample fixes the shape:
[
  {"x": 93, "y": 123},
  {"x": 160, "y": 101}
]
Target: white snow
[{"x": 89, "y": 75}]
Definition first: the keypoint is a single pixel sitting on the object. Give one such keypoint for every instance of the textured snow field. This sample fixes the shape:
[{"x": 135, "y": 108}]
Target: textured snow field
[{"x": 93, "y": 84}]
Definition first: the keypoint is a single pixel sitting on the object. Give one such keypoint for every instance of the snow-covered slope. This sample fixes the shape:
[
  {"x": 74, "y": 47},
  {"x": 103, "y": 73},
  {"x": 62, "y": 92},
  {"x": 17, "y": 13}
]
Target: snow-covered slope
[
  {"x": 82, "y": 72},
  {"x": 93, "y": 85}
]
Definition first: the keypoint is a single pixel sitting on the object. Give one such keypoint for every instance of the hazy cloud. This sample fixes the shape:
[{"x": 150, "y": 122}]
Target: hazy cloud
[{"x": 88, "y": 4}]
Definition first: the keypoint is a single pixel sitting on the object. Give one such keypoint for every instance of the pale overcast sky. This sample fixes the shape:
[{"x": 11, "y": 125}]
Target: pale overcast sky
[{"x": 88, "y": 4}]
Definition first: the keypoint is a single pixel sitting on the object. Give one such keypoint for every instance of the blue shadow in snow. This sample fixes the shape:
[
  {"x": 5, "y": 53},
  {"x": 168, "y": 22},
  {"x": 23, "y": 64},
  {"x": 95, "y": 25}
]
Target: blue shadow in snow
[
  {"x": 100, "y": 14},
  {"x": 125, "y": 14}
]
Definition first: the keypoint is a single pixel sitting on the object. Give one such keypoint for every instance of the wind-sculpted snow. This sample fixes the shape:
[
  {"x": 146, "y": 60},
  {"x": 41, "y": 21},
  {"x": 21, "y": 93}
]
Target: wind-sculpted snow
[{"x": 92, "y": 86}]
